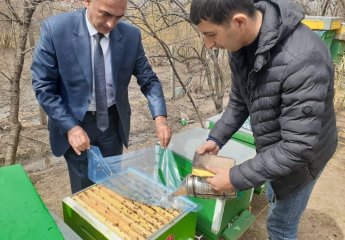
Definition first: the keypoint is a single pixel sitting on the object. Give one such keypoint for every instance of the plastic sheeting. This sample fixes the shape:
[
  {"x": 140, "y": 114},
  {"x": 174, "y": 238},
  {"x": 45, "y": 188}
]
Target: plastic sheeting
[
  {"x": 148, "y": 176},
  {"x": 167, "y": 170}
]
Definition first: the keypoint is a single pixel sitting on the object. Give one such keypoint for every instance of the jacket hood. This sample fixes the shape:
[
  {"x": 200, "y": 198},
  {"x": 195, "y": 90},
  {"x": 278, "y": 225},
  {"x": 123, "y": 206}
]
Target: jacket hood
[{"x": 280, "y": 18}]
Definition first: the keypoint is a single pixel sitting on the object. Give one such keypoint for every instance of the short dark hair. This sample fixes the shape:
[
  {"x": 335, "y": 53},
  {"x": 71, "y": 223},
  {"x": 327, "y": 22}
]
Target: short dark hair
[{"x": 219, "y": 11}]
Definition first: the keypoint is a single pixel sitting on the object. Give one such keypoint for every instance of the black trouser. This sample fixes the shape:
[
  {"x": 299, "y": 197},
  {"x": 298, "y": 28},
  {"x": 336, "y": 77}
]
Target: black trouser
[{"x": 109, "y": 143}]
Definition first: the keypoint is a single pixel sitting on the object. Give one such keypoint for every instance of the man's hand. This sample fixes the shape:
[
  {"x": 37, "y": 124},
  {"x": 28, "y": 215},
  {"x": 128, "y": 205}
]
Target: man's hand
[
  {"x": 78, "y": 139},
  {"x": 208, "y": 147},
  {"x": 221, "y": 180},
  {"x": 163, "y": 131}
]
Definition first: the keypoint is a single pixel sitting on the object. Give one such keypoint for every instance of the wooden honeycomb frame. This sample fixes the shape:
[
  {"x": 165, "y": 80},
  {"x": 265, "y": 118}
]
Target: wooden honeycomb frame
[{"x": 125, "y": 217}]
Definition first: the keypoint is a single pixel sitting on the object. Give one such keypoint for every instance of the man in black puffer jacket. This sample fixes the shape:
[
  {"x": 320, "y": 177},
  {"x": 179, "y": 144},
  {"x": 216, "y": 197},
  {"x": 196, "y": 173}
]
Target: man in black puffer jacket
[{"x": 282, "y": 77}]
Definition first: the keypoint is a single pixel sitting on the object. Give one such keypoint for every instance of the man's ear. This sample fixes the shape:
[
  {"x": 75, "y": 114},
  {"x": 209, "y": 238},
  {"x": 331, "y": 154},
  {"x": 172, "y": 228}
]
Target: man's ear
[
  {"x": 239, "y": 20},
  {"x": 87, "y": 3}
]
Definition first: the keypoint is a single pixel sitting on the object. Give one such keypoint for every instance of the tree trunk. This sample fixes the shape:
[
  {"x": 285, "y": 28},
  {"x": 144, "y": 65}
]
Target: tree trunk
[
  {"x": 11, "y": 150},
  {"x": 31, "y": 37},
  {"x": 168, "y": 54},
  {"x": 342, "y": 5},
  {"x": 16, "y": 127},
  {"x": 218, "y": 82},
  {"x": 325, "y": 7}
]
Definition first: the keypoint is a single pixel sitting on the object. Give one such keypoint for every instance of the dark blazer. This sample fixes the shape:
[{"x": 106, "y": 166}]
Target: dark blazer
[{"x": 62, "y": 74}]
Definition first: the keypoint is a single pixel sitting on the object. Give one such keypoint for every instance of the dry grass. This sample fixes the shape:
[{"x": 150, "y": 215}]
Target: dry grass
[{"x": 339, "y": 98}]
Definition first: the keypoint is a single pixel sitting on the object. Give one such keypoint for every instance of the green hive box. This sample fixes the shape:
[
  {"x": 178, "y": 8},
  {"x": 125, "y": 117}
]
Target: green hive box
[
  {"x": 216, "y": 215},
  {"x": 244, "y": 134},
  {"x": 326, "y": 36},
  {"x": 22, "y": 212},
  {"x": 337, "y": 50}
]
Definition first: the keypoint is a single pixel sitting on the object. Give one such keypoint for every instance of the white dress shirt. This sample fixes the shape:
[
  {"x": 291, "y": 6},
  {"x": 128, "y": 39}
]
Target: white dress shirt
[{"x": 107, "y": 64}]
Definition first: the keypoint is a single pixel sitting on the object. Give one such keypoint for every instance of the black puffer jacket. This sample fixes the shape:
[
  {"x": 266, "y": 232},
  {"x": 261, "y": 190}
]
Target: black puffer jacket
[{"x": 289, "y": 97}]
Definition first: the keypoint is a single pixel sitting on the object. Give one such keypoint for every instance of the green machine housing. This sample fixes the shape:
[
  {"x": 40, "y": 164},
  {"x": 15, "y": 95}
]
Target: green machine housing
[{"x": 217, "y": 218}]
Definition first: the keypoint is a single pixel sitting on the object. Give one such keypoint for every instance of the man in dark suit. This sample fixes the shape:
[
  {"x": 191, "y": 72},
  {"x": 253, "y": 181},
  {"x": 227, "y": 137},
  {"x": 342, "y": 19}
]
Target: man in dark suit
[{"x": 81, "y": 69}]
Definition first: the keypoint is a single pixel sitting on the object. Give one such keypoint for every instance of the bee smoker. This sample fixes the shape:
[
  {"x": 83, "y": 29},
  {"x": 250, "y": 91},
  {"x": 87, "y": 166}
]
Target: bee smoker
[{"x": 198, "y": 187}]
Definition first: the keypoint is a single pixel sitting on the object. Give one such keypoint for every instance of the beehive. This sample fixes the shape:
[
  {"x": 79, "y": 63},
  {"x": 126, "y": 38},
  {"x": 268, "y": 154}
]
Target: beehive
[
  {"x": 216, "y": 215},
  {"x": 104, "y": 214},
  {"x": 322, "y": 22}
]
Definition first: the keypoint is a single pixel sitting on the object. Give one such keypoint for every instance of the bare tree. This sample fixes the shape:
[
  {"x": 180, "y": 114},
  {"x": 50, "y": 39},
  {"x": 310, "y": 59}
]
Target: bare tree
[
  {"x": 332, "y": 8},
  {"x": 341, "y": 4},
  {"x": 164, "y": 19},
  {"x": 22, "y": 22},
  {"x": 157, "y": 19}
]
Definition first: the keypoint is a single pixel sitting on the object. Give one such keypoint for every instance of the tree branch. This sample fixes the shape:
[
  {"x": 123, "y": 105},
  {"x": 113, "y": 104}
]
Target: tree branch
[
  {"x": 6, "y": 16},
  {"x": 14, "y": 14},
  {"x": 168, "y": 53},
  {"x": 28, "y": 50},
  {"x": 7, "y": 77}
]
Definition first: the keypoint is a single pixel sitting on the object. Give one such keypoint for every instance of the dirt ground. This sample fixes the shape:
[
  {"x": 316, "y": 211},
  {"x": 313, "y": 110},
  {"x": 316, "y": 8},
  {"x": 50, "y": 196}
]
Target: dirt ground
[{"x": 323, "y": 219}]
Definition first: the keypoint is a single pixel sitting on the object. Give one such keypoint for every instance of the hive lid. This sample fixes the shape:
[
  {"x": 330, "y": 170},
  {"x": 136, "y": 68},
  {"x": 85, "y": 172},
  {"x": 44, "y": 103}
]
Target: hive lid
[
  {"x": 185, "y": 143},
  {"x": 22, "y": 212}
]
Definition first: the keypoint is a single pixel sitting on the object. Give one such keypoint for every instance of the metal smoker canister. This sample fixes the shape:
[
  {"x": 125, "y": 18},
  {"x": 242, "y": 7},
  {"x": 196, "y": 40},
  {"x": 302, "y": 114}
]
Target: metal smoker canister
[{"x": 198, "y": 187}]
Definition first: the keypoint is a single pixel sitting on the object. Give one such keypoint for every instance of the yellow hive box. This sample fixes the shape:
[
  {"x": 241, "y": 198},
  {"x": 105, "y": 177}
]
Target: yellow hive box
[{"x": 322, "y": 22}]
